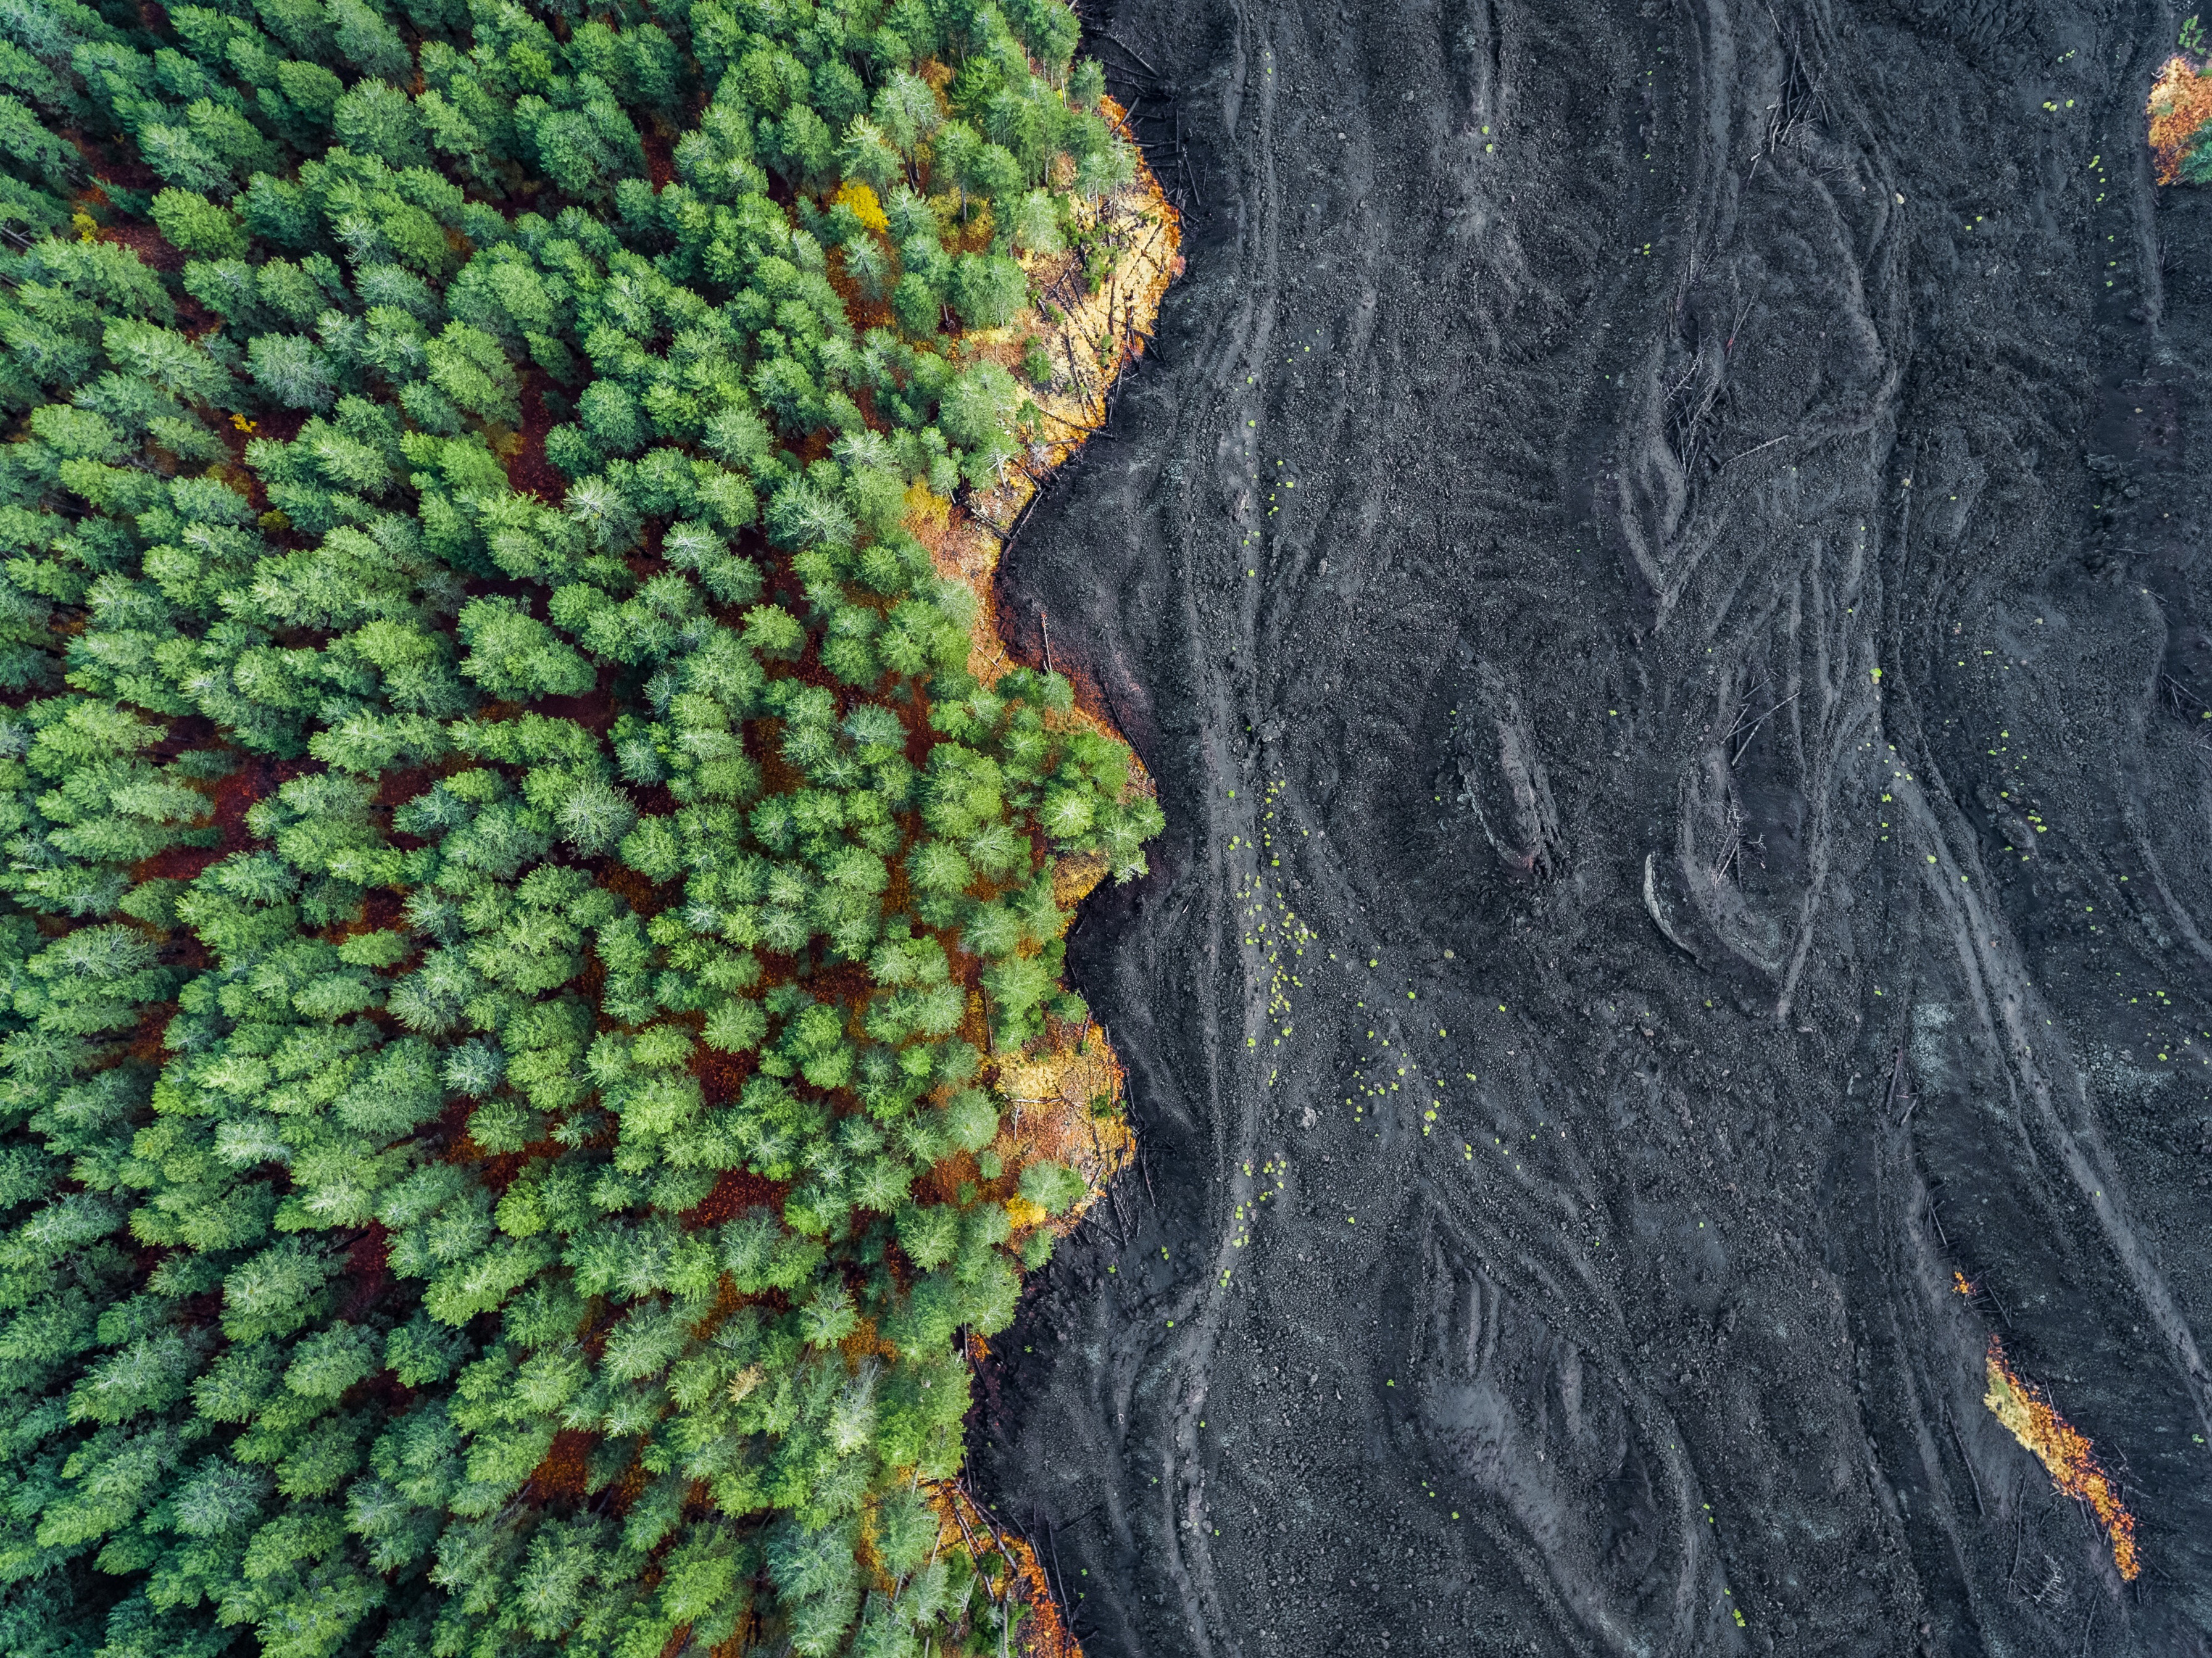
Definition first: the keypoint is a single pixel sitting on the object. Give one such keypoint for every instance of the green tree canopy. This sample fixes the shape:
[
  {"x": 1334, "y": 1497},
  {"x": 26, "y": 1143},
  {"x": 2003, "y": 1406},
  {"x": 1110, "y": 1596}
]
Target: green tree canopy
[{"x": 508, "y": 873}]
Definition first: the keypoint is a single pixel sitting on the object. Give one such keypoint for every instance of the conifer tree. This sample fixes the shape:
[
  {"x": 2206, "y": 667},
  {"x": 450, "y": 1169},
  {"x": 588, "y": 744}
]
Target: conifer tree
[{"x": 487, "y": 946}]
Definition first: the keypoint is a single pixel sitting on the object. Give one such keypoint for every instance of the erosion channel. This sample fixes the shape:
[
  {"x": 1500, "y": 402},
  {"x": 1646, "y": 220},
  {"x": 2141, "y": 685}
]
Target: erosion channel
[{"x": 1656, "y": 562}]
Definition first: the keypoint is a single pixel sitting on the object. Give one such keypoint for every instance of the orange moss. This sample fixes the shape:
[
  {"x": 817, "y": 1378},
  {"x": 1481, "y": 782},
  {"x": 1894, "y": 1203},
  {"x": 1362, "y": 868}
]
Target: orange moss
[
  {"x": 2064, "y": 1451},
  {"x": 948, "y": 1174},
  {"x": 2181, "y": 110}
]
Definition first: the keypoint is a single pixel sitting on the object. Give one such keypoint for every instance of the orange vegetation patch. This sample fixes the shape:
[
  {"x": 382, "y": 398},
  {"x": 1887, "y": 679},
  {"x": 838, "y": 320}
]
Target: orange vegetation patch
[
  {"x": 2181, "y": 110},
  {"x": 864, "y": 1344},
  {"x": 1010, "y": 1566},
  {"x": 2064, "y": 1451},
  {"x": 1066, "y": 1093}
]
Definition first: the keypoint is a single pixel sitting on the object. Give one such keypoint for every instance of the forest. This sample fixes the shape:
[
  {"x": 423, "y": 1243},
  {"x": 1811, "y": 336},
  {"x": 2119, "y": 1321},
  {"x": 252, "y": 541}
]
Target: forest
[{"x": 514, "y": 900}]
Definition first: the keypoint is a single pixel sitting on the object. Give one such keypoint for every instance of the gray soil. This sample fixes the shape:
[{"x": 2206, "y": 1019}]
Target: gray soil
[{"x": 1771, "y": 345}]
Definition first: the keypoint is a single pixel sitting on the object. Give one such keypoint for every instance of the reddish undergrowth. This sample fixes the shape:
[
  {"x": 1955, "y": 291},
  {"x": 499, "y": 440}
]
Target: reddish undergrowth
[
  {"x": 736, "y": 1191},
  {"x": 528, "y": 472}
]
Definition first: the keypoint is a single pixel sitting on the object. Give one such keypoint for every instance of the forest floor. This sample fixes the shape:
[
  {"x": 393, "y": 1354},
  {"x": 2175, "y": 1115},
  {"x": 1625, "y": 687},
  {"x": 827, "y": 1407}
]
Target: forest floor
[{"x": 1656, "y": 562}]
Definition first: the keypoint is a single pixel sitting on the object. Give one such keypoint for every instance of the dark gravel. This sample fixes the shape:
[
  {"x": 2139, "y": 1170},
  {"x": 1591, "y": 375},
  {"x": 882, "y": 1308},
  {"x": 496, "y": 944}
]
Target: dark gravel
[{"x": 1772, "y": 344}]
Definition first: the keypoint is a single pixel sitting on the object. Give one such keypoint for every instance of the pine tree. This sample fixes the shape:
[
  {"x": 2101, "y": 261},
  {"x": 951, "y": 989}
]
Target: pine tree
[{"x": 403, "y": 841}]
